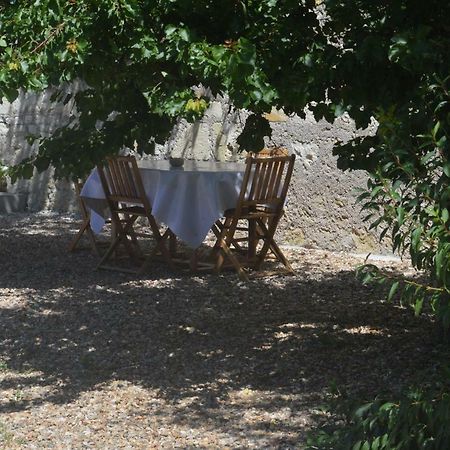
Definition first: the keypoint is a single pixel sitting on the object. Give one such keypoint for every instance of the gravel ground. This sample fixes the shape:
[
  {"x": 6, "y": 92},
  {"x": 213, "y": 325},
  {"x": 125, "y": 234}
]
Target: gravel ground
[{"x": 97, "y": 359}]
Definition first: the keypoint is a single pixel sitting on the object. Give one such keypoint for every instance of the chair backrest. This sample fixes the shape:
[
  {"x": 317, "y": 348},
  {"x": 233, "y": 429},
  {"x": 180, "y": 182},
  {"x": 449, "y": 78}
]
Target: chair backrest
[
  {"x": 273, "y": 151},
  {"x": 121, "y": 180},
  {"x": 266, "y": 182}
]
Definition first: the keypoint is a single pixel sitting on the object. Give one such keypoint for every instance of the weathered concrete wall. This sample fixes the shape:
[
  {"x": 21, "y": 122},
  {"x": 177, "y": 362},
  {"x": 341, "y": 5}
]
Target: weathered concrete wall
[
  {"x": 34, "y": 114},
  {"x": 321, "y": 210}
]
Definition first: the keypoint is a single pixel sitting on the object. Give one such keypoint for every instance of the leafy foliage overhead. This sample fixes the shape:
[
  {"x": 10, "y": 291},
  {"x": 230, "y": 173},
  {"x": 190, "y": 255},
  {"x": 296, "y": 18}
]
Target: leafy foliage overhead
[{"x": 140, "y": 59}]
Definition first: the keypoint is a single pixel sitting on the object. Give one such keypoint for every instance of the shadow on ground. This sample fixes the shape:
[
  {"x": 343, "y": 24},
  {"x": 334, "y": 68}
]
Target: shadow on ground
[{"x": 199, "y": 337}]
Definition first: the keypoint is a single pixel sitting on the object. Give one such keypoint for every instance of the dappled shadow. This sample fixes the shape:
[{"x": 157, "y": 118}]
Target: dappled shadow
[
  {"x": 212, "y": 339},
  {"x": 34, "y": 114}
]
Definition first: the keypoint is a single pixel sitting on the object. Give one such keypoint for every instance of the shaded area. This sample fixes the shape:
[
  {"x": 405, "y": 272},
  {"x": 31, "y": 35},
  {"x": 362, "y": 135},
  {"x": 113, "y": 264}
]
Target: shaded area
[
  {"x": 33, "y": 114},
  {"x": 255, "y": 358}
]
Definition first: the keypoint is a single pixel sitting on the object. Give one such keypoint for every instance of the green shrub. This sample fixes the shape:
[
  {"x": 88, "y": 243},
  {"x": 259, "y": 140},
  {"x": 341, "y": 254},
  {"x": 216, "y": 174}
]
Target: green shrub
[{"x": 419, "y": 419}]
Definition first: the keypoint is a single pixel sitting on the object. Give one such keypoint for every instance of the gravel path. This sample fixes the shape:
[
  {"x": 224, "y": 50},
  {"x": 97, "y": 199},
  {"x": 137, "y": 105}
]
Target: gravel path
[{"x": 94, "y": 359}]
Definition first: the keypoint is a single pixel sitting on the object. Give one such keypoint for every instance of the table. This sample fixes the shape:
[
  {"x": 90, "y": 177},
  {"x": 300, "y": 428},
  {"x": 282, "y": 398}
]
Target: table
[{"x": 187, "y": 199}]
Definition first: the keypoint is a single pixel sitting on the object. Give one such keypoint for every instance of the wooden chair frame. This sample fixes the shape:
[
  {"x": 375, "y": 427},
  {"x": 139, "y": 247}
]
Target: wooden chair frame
[
  {"x": 85, "y": 226},
  {"x": 127, "y": 201},
  {"x": 251, "y": 226},
  {"x": 261, "y": 202}
]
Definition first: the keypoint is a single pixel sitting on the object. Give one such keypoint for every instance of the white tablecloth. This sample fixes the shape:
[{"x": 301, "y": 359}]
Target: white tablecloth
[{"x": 188, "y": 199}]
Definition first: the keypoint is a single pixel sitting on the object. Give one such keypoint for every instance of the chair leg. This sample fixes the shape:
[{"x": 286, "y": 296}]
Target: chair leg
[
  {"x": 193, "y": 260},
  {"x": 160, "y": 246},
  {"x": 124, "y": 230},
  {"x": 127, "y": 230},
  {"x": 121, "y": 236},
  {"x": 92, "y": 240},
  {"x": 220, "y": 227},
  {"x": 77, "y": 238},
  {"x": 267, "y": 235},
  {"x": 223, "y": 245},
  {"x": 130, "y": 231},
  {"x": 280, "y": 255},
  {"x": 85, "y": 228},
  {"x": 220, "y": 232},
  {"x": 172, "y": 244},
  {"x": 110, "y": 250},
  {"x": 252, "y": 238},
  {"x": 229, "y": 254}
]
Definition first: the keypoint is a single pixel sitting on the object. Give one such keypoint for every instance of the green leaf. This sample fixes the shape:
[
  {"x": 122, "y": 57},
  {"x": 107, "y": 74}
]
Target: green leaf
[
  {"x": 362, "y": 410},
  {"x": 218, "y": 52},
  {"x": 387, "y": 406},
  {"x": 375, "y": 224},
  {"x": 362, "y": 196},
  {"x": 428, "y": 157},
  {"x": 440, "y": 262},
  {"x": 376, "y": 445},
  {"x": 400, "y": 215},
  {"x": 27, "y": 171},
  {"x": 393, "y": 290},
  {"x": 366, "y": 446},
  {"x": 418, "y": 306},
  {"x": 435, "y": 130},
  {"x": 397, "y": 185},
  {"x": 252, "y": 136},
  {"x": 415, "y": 239},
  {"x": 184, "y": 35},
  {"x": 376, "y": 191},
  {"x": 446, "y": 169}
]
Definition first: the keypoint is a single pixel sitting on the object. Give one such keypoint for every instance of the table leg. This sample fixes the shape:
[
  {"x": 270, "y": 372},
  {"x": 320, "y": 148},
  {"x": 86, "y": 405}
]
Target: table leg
[
  {"x": 252, "y": 238},
  {"x": 193, "y": 261},
  {"x": 172, "y": 244}
]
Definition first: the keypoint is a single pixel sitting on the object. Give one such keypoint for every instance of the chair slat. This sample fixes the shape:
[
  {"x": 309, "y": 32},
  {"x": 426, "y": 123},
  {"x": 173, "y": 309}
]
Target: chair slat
[
  {"x": 124, "y": 176},
  {"x": 279, "y": 180},
  {"x": 111, "y": 170},
  {"x": 119, "y": 177},
  {"x": 255, "y": 178},
  {"x": 129, "y": 181},
  {"x": 266, "y": 187},
  {"x": 273, "y": 177},
  {"x": 259, "y": 180}
]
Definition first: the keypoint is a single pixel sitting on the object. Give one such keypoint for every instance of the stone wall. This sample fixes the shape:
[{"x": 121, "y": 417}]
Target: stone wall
[
  {"x": 321, "y": 210},
  {"x": 33, "y": 114}
]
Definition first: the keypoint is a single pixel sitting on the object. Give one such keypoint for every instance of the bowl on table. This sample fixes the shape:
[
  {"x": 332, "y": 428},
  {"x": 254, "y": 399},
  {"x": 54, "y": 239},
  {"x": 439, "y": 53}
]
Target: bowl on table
[{"x": 176, "y": 162}]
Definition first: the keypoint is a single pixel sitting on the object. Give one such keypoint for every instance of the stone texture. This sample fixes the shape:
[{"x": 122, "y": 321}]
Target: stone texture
[
  {"x": 10, "y": 203},
  {"x": 320, "y": 212}
]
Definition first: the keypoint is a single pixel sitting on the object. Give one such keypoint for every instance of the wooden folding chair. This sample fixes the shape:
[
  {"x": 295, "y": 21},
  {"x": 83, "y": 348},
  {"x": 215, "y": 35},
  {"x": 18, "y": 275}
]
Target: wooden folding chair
[
  {"x": 125, "y": 194},
  {"x": 261, "y": 202},
  {"x": 85, "y": 226},
  {"x": 251, "y": 228}
]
